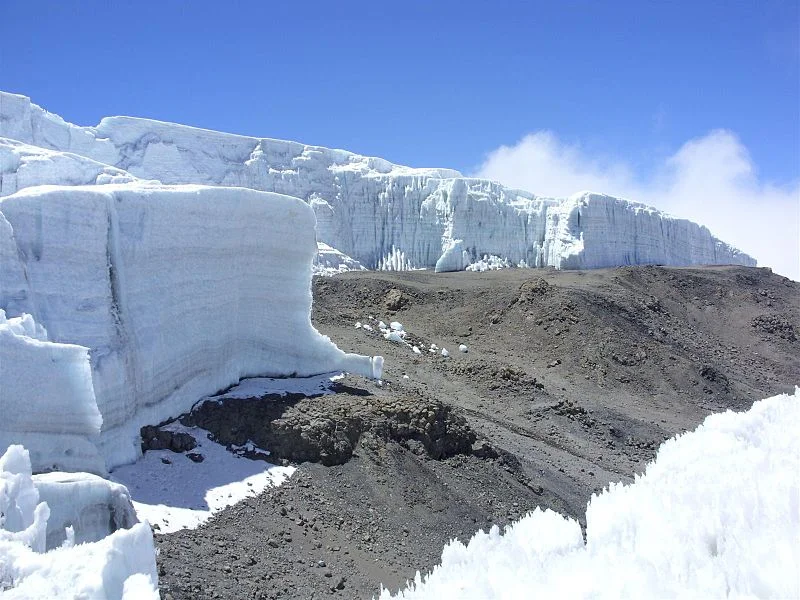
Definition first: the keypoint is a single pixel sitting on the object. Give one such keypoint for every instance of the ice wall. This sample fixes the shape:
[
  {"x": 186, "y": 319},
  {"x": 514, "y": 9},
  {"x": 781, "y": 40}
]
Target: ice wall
[
  {"x": 176, "y": 292},
  {"x": 589, "y": 231},
  {"x": 371, "y": 209},
  {"x": 330, "y": 261},
  {"x": 47, "y": 400}
]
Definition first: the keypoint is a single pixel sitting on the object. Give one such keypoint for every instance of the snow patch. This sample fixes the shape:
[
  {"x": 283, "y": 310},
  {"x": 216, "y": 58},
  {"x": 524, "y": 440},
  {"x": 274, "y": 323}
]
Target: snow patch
[
  {"x": 173, "y": 492},
  {"x": 258, "y": 387},
  {"x": 395, "y": 336}
]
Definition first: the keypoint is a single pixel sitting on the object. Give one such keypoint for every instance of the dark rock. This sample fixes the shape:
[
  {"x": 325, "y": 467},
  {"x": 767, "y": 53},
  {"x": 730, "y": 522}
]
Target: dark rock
[
  {"x": 531, "y": 291},
  {"x": 395, "y": 300},
  {"x": 309, "y": 432},
  {"x": 483, "y": 449},
  {"x": 155, "y": 438},
  {"x": 713, "y": 375},
  {"x": 776, "y": 326}
]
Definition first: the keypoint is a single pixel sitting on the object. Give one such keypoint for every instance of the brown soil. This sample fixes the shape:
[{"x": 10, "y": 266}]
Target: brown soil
[{"x": 571, "y": 381}]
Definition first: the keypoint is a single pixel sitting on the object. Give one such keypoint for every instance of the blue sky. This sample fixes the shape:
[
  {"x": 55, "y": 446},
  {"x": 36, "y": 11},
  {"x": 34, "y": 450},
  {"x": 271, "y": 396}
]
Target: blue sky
[
  {"x": 613, "y": 89},
  {"x": 424, "y": 83}
]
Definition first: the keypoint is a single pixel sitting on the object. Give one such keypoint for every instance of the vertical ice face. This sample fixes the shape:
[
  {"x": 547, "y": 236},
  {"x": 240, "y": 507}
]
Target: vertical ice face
[
  {"x": 174, "y": 292},
  {"x": 454, "y": 258},
  {"x": 590, "y": 230},
  {"x": 47, "y": 400},
  {"x": 371, "y": 209}
]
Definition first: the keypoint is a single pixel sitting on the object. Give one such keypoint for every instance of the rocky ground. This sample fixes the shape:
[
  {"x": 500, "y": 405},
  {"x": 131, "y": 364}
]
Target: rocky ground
[{"x": 571, "y": 380}]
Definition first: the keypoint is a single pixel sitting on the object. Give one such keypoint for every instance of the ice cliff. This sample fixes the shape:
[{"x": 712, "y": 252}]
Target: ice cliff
[
  {"x": 368, "y": 208},
  {"x": 144, "y": 299}
]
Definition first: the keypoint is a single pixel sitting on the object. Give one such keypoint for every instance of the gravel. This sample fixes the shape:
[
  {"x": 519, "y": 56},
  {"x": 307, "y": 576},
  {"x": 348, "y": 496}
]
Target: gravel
[{"x": 572, "y": 380}]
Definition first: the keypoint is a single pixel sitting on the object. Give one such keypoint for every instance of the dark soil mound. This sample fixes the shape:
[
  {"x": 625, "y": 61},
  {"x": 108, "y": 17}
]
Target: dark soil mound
[{"x": 327, "y": 429}]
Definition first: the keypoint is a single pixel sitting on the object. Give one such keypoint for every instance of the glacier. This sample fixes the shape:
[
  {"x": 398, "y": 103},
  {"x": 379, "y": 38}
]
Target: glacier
[
  {"x": 70, "y": 536},
  {"x": 330, "y": 261},
  {"x": 138, "y": 299},
  {"x": 47, "y": 398},
  {"x": 715, "y": 515},
  {"x": 23, "y": 165},
  {"x": 370, "y": 209},
  {"x": 91, "y": 506}
]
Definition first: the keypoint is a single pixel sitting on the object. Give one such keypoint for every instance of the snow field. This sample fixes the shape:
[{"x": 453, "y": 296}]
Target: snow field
[
  {"x": 173, "y": 492},
  {"x": 716, "y": 514}
]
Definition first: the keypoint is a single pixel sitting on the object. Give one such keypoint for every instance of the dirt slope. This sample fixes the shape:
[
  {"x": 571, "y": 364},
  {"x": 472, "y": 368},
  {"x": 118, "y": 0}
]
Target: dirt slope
[{"x": 571, "y": 380}]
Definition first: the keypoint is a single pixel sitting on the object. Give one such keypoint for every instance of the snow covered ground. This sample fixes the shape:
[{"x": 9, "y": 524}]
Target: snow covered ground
[
  {"x": 716, "y": 515},
  {"x": 380, "y": 214},
  {"x": 173, "y": 492},
  {"x": 75, "y": 535},
  {"x": 124, "y": 299}
]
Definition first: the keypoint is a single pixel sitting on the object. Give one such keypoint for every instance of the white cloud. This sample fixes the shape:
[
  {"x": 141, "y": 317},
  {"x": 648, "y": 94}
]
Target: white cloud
[{"x": 711, "y": 180}]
